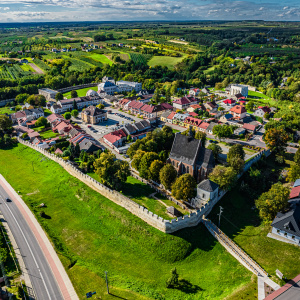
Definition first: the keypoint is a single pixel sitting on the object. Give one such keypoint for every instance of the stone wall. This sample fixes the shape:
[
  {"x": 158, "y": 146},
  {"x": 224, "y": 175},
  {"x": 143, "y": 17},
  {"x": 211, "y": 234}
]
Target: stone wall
[
  {"x": 3, "y": 102},
  {"x": 76, "y": 87},
  {"x": 193, "y": 219}
]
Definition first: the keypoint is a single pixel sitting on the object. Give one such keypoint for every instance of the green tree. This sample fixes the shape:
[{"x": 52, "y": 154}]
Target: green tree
[
  {"x": 137, "y": 159},
  {"x": 74, "y": 113},
  {"x": 111, "y": 172},
  {"x": 224, "y": 177},
  {"x": 172, "y": 282},
  {"x": 67, "y": 115},
  {"x": 41, "y": 121},
  {"x": 101, "y": 106},
  {"x": 146, "y": 161},
  {"x": 236, "y": 151},
  {"x": 297, "y": 157},
  {"x": 21, "y": 98},
  {"x": 216, "y": 150},
  {"x": 155, "y": 168},
  {"x": 222, "y": 131},
  {"x": 276, "y": 139},
  {"x": 168, "y": 96},
  {"x": 273, "y": 201},
  {"x": 293, "y": 173},
  {"x": 75, "y": 105},
  {"x": 36, "y": 100},
  {"x": 199, "y": 135},
  {"x": 59, "y": 96},
  {"x": 74, "y": 94},
  {"x": 184, "y": 187},
  {"x": 250, "y": 105},
  {"x": 237, "y": 164},
  {"x": 5, "y": 122},
  {"x": 167, "y": 176}
]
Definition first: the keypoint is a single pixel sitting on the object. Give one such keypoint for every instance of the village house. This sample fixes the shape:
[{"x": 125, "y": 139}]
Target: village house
[
  {"x": 239, "y": 112},
  {"x": 203, "y": 126},
  {"x": 184, "y": 102},
  {"x": 228, "y": 103},
  {"x": 261, "y": 111},
  {"x": 170, "y": 117},
  {"x": 178, "y": 118},
  {"x": 195, "y": 107},
  {"x": 115, "y": 139},
  {"x": 189, "y": 156},
  {"x": 92, "y": 93},
  {"x": 211, "y": 107},
  {"x": 192, "y": 122},
  {"x": 210, "y": 128},
  {"x": 239, "y": 131},
  {"x": 164, "y": 116},
  {"x": 94, "y": 115},
  {"x": 249, "y": 127},
  {"x": 226, "y": 118},
  {"x": 48, "y": 93},
  {"x": 27, "y": 115},
  {"x": 194, "y": 92},
  {"x": 107, "y": 87}
]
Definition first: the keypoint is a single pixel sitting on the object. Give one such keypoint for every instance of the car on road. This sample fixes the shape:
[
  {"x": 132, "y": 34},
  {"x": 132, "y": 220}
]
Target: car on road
[
  {"x": 213, "y": 142},
  {"x": 8, "y": 200},
  {"x": 89, "y": 126}
]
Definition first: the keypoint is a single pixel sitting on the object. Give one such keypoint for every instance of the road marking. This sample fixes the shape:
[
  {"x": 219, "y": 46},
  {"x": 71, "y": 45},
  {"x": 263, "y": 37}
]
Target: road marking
[{"x": 28, "y": 247}]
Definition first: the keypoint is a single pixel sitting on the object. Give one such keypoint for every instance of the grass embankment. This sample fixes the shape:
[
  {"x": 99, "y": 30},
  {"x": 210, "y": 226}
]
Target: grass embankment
[
  {"x": 81, "y": 92},
  {"x": 93, "y": 235},
  {"x": 165, "y": 61}
]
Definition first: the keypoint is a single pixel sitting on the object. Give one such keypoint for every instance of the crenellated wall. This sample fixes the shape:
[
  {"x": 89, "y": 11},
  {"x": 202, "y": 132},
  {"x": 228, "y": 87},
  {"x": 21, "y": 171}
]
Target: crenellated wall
[{"x": 149, "y": 217}]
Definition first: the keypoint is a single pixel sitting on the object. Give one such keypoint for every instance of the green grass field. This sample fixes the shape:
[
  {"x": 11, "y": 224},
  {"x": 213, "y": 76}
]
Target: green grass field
[
  {"x": 6, "y": 110},
  {"x": 261, "y": 98},
  {"x": 102, "y": 58},
  {"x": 48, "y": 134},
  {"x": 81, "y": 93},
  {"x": 165, "y": 61},
  {"x": 93, "y": 235}
]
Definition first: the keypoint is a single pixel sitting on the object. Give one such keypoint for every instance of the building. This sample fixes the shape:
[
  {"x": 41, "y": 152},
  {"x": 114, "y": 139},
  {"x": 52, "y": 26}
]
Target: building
[
  {"x": 249, "y": 127},
  {"x": 184, "y": 102},
  {"x": 210, "y": 127},
  {"x": 207, "y": 190},
  {"x": 27, "y": 115},
  {"x": 261, "y": 111},
  {"x": 239, "y": 112},
  {"x": 48, "y": 93},
  {"x": 195, "y": 107},
  {"x": 239, "y": 131},
  {"x": 107, "y": 78},
  {"x": 128, "y": 86},
  {"x": 165, "y": 115},
  {"x": 107, "y": 87},
  {"x": 211, "y": 107},
  {"x": 115, "y": 139},
  {"x": 203, "y": 126},
  {"x": 94, "y": 115},
  {"x": 226, "y": 118},
  {"x": 239, "y": 89},
  {"x": 178, "y": 119},
  {"x": 91, "y": 93},
  {"x": 189, "y": 156},
  {"x": 229, "y": 103},
  {"x": 192, "y": 122}
]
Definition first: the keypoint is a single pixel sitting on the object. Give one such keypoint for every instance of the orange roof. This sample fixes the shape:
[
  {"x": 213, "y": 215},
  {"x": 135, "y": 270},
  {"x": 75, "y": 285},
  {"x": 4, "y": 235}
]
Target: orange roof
[
  {"x": 238, "y": 109},
  {"x": 171, "y": 115}
]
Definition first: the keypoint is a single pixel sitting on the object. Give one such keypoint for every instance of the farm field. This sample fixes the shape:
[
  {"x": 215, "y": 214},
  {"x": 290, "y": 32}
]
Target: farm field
[
  {"x": 15, "y": 71},
  {"x": 26, "y": 67},
  {"x": 81, "y": 92},
  {"x": 101, "y": 58},
  {"x": 165, "y": 61},
  {"x": 140, "y": 58},
  {"x": 93, "y": 235}
]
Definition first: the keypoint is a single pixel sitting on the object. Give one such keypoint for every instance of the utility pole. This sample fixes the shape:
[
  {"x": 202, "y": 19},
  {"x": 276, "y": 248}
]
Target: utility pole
[
  {"x": 221, "y": 210},
  {"x": 106, "y": 282}
]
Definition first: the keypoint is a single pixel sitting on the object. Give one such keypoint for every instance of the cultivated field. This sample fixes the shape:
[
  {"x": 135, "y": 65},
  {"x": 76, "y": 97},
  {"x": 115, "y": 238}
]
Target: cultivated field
[{"x": 165, "y": 61}]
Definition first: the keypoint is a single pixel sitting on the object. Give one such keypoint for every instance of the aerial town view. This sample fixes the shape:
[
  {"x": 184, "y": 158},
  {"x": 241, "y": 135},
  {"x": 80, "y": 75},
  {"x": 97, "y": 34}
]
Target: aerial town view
[{"x": 150, "y": 150}]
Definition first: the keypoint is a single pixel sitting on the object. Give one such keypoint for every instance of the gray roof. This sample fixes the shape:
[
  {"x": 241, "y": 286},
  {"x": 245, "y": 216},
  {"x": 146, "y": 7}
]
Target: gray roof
[
  {"x": 145, "y": 123},
  {"x": 297, "y": 183},
  {"x": 93, "y": 111},
  {"x": 288, "y": 222},
  {"x": 208, "y": 185},
  {"x": 139, "y": 126},
  {"x": 206, "y": 158},
  {"x": 211, "y": 126},
  {"x": 166, "y": 114},
  {"x": 88, "y": 146},
  {"x": 130, "y": 129}
]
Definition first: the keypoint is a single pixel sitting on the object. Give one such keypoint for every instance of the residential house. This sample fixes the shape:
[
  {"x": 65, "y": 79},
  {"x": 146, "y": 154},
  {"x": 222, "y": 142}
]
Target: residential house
[
  {"x": 239, "y": 112},
  {"x": 27, "y": 115},
  {"x": 184, "y": 102},
  {"x": 189, "y": 156},
  {"x": 94, "y": 115},
  {"x": 115, "y": 139},
  {"x": 192, "y": 122},
  {"x": 194, "y": 92},
  {"x": 211, "y": 107},
  {"x": 239, "y": 131},
  {"x": 193, "y": 114},
  {"x": 249, "y": 127},
  {"x": 107, "y": 78},
  {"x": 195, "y": 107},
  {"x": 27, "y": 106},
  {"x": 229, "y": 103},
  {"x": 205, "y": 91},
  {"x": 170, "y": 117},
  {"x": 178, "y": 118},
  {"x": 108, "y": 87},
  {"x": 210, "y": 128},
  {"x": 226, "y": 118},
  {"x": 81, "y": 102},
  {"x": 135, "y": 107},
  {"x": 92, "y": 93},
  {"x": 164, "y": 116},
  {"x": 54, "y": 118},
  {"x": 124, "y": 103},
  {"x": 261, "y": 111},
  {"x": 203, "y": 126}
]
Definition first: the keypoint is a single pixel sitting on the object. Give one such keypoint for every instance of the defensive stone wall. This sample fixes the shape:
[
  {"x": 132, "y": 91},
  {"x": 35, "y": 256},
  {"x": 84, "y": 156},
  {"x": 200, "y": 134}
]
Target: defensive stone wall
[
  {"x": 4, "y": 102},
  {"x": 76, "y": 87},
  {"x": 193, "y": 219}
]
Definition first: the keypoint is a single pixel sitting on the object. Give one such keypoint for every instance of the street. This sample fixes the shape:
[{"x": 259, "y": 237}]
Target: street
[{"x": 43, "y": 281}]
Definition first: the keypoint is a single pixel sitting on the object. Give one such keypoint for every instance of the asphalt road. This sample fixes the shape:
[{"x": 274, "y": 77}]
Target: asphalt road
[{"x": 41, "y": 276}]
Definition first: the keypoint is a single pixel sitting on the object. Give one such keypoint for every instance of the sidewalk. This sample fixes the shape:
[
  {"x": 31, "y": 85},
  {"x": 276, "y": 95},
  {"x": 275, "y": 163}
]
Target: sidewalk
[{"x": 54, "y": 262}]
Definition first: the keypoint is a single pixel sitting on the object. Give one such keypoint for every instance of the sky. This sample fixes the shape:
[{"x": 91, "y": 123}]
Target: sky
[{"x": 143, "y": 10}]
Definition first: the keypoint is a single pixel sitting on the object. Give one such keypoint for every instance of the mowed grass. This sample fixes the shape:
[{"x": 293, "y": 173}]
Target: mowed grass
[
  {"x": 48, "y": 134},
  {"x": 165, "y": 61},
  {"x": 102, "y": 58},
  {"x": 81, "y": 92},
  {"x": 261, "y": 98},
  {"x": 6, "y": 110},
  {"x": 93, "y": 235}
]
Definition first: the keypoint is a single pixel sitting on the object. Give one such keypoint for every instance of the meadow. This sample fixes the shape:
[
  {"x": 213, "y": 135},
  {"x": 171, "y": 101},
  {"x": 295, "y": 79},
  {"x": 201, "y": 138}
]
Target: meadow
[
  {"x": 165, "y": 61},
  {"x": 92, "y": 234}
]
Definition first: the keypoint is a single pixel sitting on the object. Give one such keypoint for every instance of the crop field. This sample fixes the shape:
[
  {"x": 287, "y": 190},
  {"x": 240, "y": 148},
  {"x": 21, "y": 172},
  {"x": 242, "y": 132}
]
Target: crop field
[
  {"x": 101, "y": 58},
  {"x": 15, "y": 71},
  {"x": 43, "y": 66},
  {"x": 140, "y": 58},
  {"x": 79, "y": 65},
  {"x": 165, "y": 61},
  {"x": 92, "y": 235}
]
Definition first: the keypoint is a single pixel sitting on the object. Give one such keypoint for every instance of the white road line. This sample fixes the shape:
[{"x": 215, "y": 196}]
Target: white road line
[{"x": 29, "y": 248}]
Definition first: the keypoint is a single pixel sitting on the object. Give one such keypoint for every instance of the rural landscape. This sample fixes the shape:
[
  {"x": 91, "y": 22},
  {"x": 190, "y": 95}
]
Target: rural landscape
[{"x": 150, "y": 160}]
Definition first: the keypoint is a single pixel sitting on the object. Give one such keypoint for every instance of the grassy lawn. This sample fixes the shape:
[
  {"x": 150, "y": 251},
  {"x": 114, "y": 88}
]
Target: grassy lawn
[
  {"x": 102, "y": 58},
  {"x": 175, "y": 130},
  {"x": 93, "y": 235},
  {"x": 261, "y": 99},
  {"x": 48, "y": 134},
  {"x": 165, "y": 61},
  {"x": 6, "y": 110},
  {"x": 209, "y": 70},
  {"x": 27, "y": 68},
  {"x": 81, "y": 93},
  {"x": 242, "y": 223}
]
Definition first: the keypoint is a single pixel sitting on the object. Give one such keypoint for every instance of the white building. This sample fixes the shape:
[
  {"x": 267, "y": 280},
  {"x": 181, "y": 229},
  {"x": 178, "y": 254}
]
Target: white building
[
  {"x": 239, "y": 89},
  {"x": 128, "y": 86},
  {"x": 108, "y": 87}
]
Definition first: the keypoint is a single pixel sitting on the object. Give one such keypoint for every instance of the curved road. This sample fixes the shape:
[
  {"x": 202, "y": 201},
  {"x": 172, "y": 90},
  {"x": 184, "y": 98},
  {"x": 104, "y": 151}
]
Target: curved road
[{"x": 43, "y": 281}]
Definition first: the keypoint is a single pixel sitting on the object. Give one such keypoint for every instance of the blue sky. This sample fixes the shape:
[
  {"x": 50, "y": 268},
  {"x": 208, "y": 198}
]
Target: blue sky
[{"x": 139, "y": 10}]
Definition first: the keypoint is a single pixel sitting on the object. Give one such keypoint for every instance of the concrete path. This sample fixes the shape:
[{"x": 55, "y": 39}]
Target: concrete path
[{"x": 61, "y": 278}]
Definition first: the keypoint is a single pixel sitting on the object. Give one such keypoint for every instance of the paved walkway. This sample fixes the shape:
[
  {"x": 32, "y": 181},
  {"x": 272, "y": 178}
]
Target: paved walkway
[{"x": 54, "y": 262}]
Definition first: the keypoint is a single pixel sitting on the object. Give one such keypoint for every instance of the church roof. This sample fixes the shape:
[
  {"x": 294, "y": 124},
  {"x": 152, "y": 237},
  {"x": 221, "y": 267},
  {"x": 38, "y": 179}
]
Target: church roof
[{"x": 208, "y": 185}]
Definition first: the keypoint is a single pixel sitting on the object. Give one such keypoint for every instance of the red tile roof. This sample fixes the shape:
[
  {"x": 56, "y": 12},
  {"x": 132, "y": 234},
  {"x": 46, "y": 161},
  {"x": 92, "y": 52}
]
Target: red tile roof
[
  {"x": 204, "y": 125},
  {"x": 193, "y": 114},
  {"x": 295, "y": 192},
  {"x": 115, "y": 136},
  {"x": 265, "y": 109},
  {"x": 238, "y": 109},
  {"x": 193, "y": 121},
  {"x": 249, "y": 126},
  {"x": 229, "y": 101}
]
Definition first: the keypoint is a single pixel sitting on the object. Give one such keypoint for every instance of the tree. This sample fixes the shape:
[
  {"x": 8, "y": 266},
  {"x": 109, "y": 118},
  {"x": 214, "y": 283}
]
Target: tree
[
  {"x": 5, "y": 122},
  {"x": 67, "y": 115},
  {"x": 267, "y": 116},
  {"x": 146, "y": 161},
  {"x": 74, "y": 94},
  {"x": 155, "y": 168},
  {"x": 168, "y": 95},
  {"x": 21, "y": 98},
  {"x": 293, "y": 173},
  {"x": 167, "y": 176},
  {"x": 218, "y": 86},
  {"x": 199, "y": 135},
  {"x": 36, "y": 100},
  {"x": 75, "y": 104},
  {"x": 111, "y": 172},
  {"x": 236, "y": 151},
  {"x": 222, "y": 131},
  {"x": 273, "y": 201},
  {"x": 184, "y": 187},
  {"x": 297, "y": 157},
  {"x": 101, "y": 106},
  {"x": 250, "y": 105},
  {"x": 224, "y": 177},
  {"x": 276, "y": 139},
  {"x": 216, "y": 150},
  {"x": 137, "y": 159},
  {"x": 42, "y": 121},
  {"x": 237, "y": 164},
  {"x": 59, "y": 96},
  {"x": 74, "y": 113},
  {"x": 172, "y": 282}
]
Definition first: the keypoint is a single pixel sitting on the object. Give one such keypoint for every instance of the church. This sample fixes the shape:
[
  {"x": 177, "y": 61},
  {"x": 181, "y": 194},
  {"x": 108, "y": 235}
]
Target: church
[{"x": 189, "y": 156}]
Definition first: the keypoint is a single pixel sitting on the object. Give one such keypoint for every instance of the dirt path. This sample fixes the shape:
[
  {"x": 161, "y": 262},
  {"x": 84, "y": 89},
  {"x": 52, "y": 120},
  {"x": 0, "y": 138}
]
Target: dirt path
[{"x": 36, "y": 68}]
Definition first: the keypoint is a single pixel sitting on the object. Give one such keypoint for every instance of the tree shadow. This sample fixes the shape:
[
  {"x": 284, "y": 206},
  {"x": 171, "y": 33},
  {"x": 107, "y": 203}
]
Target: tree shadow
[{"x": 186, "y": 287}]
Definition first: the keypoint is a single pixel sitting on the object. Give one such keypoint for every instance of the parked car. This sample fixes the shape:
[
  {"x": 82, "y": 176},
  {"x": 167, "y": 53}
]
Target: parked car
[{"x": 8, "y": 200}]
